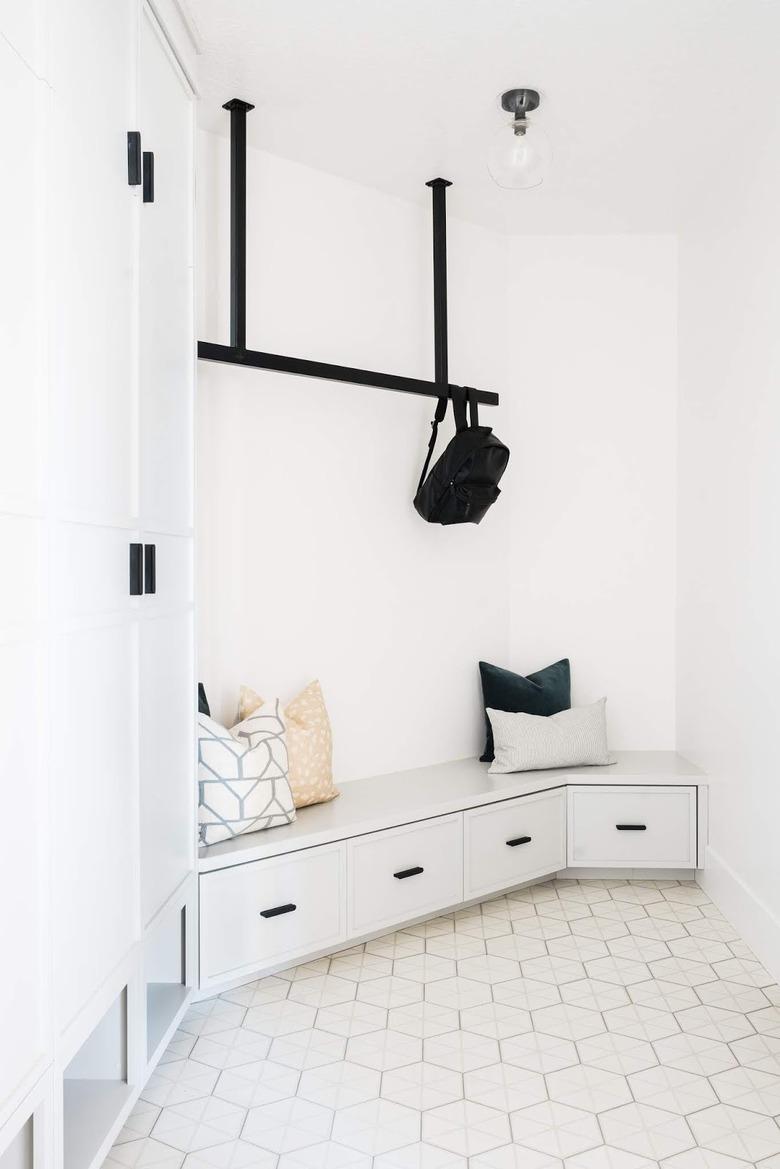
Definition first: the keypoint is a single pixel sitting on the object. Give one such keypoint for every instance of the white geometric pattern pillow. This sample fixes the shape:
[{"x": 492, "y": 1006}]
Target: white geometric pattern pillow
[
  {"x": 530, "y": 742},
  {"x": 242, "y": 776}
]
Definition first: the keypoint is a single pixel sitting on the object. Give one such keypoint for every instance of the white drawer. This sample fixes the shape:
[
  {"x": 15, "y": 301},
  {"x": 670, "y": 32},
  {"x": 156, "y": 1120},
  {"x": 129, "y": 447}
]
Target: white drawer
[
  {"x": 238, "y": 928},
  {"x": 633, "y": 827},
  {"x": 404, "y": 873},
  {"x": 514, "y": 841}
]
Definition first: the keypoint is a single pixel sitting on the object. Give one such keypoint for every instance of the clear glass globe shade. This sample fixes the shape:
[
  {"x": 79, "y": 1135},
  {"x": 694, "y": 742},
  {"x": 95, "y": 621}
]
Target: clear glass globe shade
[{"x": 519, "y": 161}]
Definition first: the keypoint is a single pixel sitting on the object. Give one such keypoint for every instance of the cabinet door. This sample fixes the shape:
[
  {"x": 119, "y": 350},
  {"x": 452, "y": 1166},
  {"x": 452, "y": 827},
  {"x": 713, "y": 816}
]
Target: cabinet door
[
  {"x": 166, "y": 379},
  {"x": 166, "y": 338},
  {"x": 167, "y": 727},
  {"x": 24, "y": 1046},
  {"x": 92, "y": 259}
]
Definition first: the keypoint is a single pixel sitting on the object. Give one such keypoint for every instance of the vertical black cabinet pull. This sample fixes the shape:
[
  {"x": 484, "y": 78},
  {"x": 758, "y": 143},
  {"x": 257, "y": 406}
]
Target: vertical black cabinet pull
[
  {"x": 519, "y": 840},
  {"x": 136, "y": 570},
  {"x": 148, "y": 176},
  {"x": 631, "y": 827},
  {"x": 134, "y": 158},
  {"x": 409, "y": 873},
  {"x": 278, "y": 910},
  {"x": 150, "y": 568}
]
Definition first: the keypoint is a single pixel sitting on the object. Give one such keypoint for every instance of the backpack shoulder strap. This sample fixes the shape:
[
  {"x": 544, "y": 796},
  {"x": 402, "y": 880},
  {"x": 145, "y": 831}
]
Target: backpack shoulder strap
[
  {"x": 458, "y": 409},
  {"x": 441, "y": 410}
]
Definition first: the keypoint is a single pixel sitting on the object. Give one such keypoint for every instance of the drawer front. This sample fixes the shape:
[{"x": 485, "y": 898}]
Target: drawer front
[
  {"x": 404, "y": 873},
  {"x": 515, "y": 841},
  {"x": 241, "y": 927},
  {"x": 634, "y": 827}
]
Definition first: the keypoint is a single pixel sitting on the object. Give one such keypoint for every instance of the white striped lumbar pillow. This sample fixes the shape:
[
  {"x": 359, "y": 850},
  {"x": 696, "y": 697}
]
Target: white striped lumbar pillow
[{"x": 530, "y": 742}]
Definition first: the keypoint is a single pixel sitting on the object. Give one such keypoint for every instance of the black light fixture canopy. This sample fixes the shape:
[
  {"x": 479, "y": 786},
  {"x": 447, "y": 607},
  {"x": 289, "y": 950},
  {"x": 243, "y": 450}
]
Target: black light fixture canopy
[{"x": 520, "y": 101}]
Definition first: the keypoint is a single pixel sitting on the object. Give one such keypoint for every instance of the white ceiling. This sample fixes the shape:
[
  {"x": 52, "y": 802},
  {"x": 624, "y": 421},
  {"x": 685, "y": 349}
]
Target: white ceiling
[{"x": 393, "y": 92}]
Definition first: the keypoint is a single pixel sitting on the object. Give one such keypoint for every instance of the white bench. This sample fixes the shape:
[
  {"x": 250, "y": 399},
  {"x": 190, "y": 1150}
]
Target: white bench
[{"x": 399, "y": 848}]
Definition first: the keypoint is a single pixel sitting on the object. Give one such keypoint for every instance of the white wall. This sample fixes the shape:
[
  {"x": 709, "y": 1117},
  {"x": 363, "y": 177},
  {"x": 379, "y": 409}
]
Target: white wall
[
  {"x": 312, "y": 561},
  {"x": 729, "y": 549},
  {"x": 592, "y": 377}
]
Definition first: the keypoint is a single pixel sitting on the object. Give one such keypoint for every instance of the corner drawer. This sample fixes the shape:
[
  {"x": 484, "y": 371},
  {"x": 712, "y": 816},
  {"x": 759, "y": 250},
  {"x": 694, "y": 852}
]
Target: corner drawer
[
  {"x": 514, "y": 841},
  {"x": 404, "y": 873},
  {"x": 265, "y": 913},
  {"x": 644, "y": 827}
]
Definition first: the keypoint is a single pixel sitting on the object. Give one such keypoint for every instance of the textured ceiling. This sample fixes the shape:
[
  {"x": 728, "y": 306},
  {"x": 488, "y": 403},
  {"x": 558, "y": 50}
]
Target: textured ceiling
[{"x": 393, "y": 92}]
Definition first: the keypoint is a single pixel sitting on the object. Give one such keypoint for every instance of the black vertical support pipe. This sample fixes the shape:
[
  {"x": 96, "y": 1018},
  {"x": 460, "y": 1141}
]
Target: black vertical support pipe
[
  {"x": 439, "y": 192},
  {"x": 238, "y": 112}
]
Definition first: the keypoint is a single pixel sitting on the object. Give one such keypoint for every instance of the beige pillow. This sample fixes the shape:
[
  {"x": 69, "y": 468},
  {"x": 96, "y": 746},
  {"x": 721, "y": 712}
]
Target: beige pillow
[{"x": 309, "y": 743}]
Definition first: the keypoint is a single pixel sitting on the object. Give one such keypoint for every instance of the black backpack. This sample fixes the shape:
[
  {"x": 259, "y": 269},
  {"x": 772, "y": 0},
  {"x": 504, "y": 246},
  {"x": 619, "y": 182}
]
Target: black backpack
[{"x": 464, "y": 481}]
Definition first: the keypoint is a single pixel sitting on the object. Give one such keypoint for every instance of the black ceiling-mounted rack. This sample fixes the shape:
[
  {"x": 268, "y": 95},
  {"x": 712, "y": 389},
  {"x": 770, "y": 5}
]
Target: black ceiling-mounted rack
[{"x": 236, "y": 353}]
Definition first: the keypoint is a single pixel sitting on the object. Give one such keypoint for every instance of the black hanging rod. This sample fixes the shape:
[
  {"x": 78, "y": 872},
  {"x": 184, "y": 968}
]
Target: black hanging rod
[{"x": 236, "y": 353}]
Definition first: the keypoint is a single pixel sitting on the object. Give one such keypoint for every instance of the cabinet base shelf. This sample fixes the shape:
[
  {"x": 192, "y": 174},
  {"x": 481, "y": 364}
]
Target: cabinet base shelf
[{"x": 91, "y": 1109}]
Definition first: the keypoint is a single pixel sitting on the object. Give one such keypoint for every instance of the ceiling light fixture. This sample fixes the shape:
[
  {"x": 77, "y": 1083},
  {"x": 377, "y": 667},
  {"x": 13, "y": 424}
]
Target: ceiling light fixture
[{"x": 520, "y": 152}]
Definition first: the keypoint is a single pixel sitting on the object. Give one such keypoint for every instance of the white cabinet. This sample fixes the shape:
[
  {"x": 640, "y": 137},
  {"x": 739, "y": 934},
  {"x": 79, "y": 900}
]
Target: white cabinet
[
  {"x": 166, "y": 362},
  {"x": 632, "y": 827},
  {"x": 404, "y": 873},
  {"x": 270, "y": 912},
  {"x": 24, "y": 1013},
  {"x": 93, "y": 429},
  {"x": 166, "y": 328},
  {"x": 514, "y": 841},
  {"x": 96, "y": 385}
]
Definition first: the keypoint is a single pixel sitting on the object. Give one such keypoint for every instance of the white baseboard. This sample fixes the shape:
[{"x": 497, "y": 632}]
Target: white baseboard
[
  {"x": 578, "y": 874},
  {"x": 747, "y": 912}
]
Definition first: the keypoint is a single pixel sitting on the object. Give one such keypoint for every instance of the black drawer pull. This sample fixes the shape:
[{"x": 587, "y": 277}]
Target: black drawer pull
[
  {"x": 408, "y": 873},
  {"x": 278, "y": 910},
  {"x": 631, "y": 827},
  {"x": 136, "y": 570},
  {"x": 519, "y": 840},
  {"x": 148, "y": 176},
  {"x": 150, "y": 568}
]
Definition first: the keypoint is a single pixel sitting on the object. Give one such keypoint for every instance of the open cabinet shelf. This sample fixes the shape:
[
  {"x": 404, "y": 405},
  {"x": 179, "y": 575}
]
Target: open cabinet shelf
[
  {"x": 90, "y": 1110},
  {"x": 95, "y": 1087},
  {"x": 164, "y": 1000},
  {"x": 168, "y": 984}
]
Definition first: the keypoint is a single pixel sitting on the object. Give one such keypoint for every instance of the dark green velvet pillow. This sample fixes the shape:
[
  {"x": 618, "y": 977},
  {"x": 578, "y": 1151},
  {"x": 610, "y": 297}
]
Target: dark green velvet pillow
[{"x": 545, "y": 692}]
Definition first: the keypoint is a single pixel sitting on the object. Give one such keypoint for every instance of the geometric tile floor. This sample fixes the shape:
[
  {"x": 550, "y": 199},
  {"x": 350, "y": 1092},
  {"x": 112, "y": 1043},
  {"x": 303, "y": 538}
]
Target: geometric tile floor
[{"x": 570, "y": 1025}]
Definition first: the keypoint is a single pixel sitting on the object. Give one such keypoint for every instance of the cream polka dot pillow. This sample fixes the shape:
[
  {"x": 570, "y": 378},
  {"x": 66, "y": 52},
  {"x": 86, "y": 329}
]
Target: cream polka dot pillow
[{"x": 309, "y": 743}]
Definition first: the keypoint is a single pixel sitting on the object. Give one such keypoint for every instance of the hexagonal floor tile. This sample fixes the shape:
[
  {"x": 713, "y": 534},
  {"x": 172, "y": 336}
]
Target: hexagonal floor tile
[
  {"x": 462, "y": 1050},
  {"x": 646, "y": 1131},
  {"x": 588, "y": 1088},
  {"x": 539, "y": 1052},
  {"x": 199, "y": 1123},
  {"x": 339, "y": 1085},
  {"x": 556, "y": 1129},
  {"x": 287, "y": 1125},
  {"x": 256, "y": 1083},
  {"x": 466, "y": 1128},
  {"x": 325, "y": 1155},
  {"x": 383, "y": 1050},
  {"x": 672, "y": 1090},
  {"x": 504, "y": 1086},
  {"x": 423, "y": 1019},
  {"x": 377, "y": 1127},
  {"x": 736, "y": 1132},
  {"x": 422, "y": 1085}
]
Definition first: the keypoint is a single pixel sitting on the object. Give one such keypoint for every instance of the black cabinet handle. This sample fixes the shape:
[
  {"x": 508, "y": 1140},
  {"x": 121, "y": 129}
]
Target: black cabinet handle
[
  {"x": 631, "y": 827},
  {"x": 150, "y": 568},
  {"x": 136, "y": 570},
  {"x": 134, "y": 158},
  {"x": 278, "y": 910},
  {"x": 408, "y": 873},
  {"x": 519, "y": 840},
  {"x": 148, "y": 157}
]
